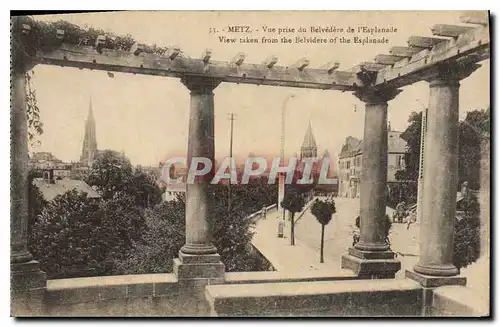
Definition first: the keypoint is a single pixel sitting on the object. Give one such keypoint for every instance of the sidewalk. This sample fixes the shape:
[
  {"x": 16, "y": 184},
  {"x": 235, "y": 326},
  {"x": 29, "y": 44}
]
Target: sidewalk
[{"x": 284, "y": 257}]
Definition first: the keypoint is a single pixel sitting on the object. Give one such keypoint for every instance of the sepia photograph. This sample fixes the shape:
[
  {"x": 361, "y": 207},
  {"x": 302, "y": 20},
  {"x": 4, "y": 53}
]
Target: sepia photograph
[{"x": 250, "y": 164}]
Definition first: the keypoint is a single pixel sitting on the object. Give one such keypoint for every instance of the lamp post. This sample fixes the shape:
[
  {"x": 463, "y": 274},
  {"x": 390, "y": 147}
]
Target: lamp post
[
  {"x": 281, "y": 185},
  {"x": 420, "y": 181}
]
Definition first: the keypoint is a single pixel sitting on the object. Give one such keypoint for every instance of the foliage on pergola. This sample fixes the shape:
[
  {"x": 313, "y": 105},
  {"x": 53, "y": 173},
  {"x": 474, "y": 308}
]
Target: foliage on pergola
[{"x": 47, "y": 36}]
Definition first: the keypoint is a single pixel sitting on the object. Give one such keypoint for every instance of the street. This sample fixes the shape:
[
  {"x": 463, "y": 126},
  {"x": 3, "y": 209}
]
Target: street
[{"x": 338, "y": 234}]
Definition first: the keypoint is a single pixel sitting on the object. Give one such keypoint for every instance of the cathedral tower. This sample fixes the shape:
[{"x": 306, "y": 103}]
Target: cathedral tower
[
  {"x": 309, "y": 148},
  {"x": 89, "y": 147}
]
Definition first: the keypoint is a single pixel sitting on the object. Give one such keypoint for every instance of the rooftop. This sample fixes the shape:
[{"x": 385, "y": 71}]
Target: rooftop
[{"x": 59, "y": 187}]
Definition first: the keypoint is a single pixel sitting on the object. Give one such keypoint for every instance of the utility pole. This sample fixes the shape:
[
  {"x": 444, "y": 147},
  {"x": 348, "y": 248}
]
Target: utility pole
[
  {"x": 231, "y": 118},
  {"x": 281, "y": 180}
]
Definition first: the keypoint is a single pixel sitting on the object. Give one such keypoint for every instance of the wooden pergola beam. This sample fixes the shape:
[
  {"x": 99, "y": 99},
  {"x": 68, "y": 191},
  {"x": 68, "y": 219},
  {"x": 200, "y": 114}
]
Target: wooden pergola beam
[
  {"x": 301, "y": 64},
  {"x": 137, "y": 48},
  {"x": 271, "y": 61},
  {"x": 372, "y": 66},
  {"x": 424, "y": 42},
  {"x": 331, "y": 66},
  {"x": 404, "y": 51},
  {"x": 384, "y": 59},
  {"x": 206, "y": 55},
  {"x": 473, "y": 47},
  {"x": 238, "y": 59},
  {"x": 450, "y": 30},
  {"x": 475, "y": 17},
  {"x": 173, "y": 52},
  {"x": 86, "y": 57}
]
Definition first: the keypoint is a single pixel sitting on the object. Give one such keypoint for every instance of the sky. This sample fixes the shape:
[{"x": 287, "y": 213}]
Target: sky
[{"x": 147, "y": 116}]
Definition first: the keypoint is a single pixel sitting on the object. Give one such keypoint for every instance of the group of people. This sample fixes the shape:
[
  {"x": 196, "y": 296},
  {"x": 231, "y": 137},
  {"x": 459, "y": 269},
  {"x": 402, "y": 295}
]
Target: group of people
[{"x": 403, "y": 214}]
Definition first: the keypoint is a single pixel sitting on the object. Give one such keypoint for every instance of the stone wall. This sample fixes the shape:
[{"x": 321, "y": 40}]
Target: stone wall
[
  {"x": 313, "y": 299},
  {"x": 458, "y": 301},
  {"x": 158, "y": 295},
  {"x": 251, "y": 294},
  {"x": 140, "y": 295}
]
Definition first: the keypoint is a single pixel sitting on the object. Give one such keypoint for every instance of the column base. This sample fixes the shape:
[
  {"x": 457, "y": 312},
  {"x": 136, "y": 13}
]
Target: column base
[
  {"x": 27, "y": 276},
  {"x": 200, "y": 266},
  {"x": 198, "y": 249},
  {"x": 371, "y": 264},
  {"x": 27, "y": 289},
  {"x": 435, "y": 281},
  {"x": 443, "y": 271}
]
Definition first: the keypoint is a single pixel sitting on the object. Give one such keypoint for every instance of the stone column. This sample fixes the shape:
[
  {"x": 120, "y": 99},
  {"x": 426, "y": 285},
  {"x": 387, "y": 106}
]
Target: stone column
[
  {"x": 439, "y": 196},
  {"x": 198, "y": 258},
  {"x": 27, "y": 281},
  {"x": 371, "y": 256}
]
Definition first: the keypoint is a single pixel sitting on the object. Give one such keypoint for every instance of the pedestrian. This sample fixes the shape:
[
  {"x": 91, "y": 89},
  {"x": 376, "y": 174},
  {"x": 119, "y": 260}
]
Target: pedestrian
[{"x": 264, "y": 212}]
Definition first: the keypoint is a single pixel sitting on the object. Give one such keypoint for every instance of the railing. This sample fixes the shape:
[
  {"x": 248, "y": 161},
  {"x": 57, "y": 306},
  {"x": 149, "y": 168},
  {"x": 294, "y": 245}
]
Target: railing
[{"x": 257, "y": 215}]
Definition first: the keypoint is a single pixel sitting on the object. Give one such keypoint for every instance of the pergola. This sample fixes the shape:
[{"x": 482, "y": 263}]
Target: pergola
[{"x": 442, "y": 61}]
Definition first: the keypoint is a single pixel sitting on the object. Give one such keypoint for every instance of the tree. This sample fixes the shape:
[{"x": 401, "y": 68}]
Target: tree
[
  {"x": 466, "y": 238},
  {"x": 161, "y": 240},
  {"x": 323, "y": 211},
  {"x": 75, "y": 236},
  {"x": 66, "y": 236},
  {"x": 110, "y": 173},
  {"x": 122, "y": 225},
  {"x": 293, "y": 201},
  {"x": 472, "y": 130},
  {"x": 36, "y": 201},
  {"x": 144, "y": 188},
  {"x": 232, "y": 234},
  {"x": 412, "y": 156}
]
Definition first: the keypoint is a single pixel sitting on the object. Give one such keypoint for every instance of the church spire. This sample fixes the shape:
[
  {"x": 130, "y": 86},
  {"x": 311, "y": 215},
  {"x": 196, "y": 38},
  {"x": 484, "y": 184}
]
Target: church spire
[
  {"x": 309, "y": 148},
  {"x": 90, "y": 114},
  {"x": 89, "y": 147}
]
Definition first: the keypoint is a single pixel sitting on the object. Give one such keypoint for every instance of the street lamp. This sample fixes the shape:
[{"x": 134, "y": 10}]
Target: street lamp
[
  {"x": 420, "y": 180},
  {"x": 281, "y": 183}
]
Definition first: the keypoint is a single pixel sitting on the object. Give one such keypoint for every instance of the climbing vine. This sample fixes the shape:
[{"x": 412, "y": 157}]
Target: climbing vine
[
  {"x": 44, "y": 36},
  {"x": 35, "y": 126}
]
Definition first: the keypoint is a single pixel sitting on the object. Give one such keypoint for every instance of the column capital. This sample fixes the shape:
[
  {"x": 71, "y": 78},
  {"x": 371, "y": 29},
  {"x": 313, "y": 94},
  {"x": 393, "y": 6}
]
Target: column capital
[
  {"x": 22, "y": 45},
  {"x": 200, "y": 84},
  {"x": 451, "y": 74},
  {"x": 377, "y": 95}
]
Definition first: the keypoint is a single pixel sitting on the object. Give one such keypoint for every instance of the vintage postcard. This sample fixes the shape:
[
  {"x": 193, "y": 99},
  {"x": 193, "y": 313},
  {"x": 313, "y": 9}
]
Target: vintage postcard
[{"x": 250, "y": 164}]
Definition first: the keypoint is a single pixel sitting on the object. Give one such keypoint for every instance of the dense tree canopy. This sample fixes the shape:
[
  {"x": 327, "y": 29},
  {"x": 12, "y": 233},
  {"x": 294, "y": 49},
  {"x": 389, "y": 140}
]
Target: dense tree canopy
[
  {"x": 78, "y": 236},
  {"x": 412, "y": 137},
  {"x": 466, "y": 238},
  {"x": 112, "y": 175},
  {"x": 232, "y": 231},
  {"x": 472, "y": 130}
]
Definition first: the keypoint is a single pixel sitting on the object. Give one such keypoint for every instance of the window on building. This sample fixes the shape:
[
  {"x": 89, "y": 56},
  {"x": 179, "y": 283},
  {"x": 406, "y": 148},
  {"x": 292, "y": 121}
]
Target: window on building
[
  {"x": 348, "y": 164},
  {"x": 399, "y": 161}
]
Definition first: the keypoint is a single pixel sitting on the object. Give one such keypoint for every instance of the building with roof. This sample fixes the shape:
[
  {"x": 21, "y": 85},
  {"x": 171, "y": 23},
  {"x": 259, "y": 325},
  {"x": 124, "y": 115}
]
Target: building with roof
[
  {"x": 50, "y": 187},
  {"x": 350, "y": 162},
  {"x": 172, "y": 190}
]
